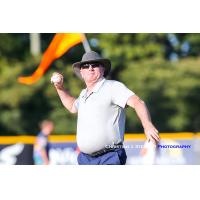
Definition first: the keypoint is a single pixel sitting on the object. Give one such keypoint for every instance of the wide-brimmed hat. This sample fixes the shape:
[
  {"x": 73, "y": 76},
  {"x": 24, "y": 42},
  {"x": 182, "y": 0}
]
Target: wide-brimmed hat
[{"x": 92, "y": 57}]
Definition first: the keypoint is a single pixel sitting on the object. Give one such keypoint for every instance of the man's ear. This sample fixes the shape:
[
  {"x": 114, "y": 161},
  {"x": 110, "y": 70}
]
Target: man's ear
[
  {"x": 81, "y": 73},
  {"x": 103, "y": 68}
]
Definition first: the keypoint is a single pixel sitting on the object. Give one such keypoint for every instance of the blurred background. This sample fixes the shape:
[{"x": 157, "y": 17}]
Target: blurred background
[{"x": 163, "y": 69}]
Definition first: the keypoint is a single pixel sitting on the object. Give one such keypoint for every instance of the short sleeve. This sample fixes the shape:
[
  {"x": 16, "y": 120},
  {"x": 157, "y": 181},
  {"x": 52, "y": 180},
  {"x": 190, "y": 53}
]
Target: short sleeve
[
  {"x": 76, "y": 103},
  {"x": 41, "y": 143},
  {"x": 120, "y": 94}
]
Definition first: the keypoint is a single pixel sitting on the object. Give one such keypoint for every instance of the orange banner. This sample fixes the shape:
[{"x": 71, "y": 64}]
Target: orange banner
[{"x": 61, "y": 43}]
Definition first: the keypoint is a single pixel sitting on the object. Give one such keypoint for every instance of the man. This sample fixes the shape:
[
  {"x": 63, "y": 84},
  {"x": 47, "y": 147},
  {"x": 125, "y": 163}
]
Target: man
[
  {"x": 40, "y": 153},
  {"x": 101, "y": 112}
]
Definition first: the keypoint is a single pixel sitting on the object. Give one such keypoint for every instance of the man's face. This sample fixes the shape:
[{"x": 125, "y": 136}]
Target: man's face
[
  {"x": 48, "y": 128},
  {"x": 92, "y": 72}
]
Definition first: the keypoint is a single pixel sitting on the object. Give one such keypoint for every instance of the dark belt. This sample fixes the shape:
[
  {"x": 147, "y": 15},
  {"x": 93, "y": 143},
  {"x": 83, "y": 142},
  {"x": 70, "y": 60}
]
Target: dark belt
[{"x": 110, "y": 148}]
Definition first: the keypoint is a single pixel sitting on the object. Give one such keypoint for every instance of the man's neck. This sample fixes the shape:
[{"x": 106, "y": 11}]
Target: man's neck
[{"x": 91, "y": 85}]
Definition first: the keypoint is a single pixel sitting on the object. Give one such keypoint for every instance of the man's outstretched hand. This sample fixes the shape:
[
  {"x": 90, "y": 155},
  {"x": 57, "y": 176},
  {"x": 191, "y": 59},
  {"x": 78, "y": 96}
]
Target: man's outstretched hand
[{"x": 151, "y": 133}]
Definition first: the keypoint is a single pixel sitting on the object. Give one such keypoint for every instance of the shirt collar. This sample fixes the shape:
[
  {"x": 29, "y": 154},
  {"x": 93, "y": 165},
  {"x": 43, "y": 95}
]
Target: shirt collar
[{"x": 96, "y": 87}]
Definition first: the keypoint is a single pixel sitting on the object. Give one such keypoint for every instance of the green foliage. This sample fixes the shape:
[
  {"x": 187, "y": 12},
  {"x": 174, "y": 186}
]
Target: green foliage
[
  {"x": 14, "y": 46},
  {"x": 22, "y": 107},
  {"x": 171, "y": 90}
]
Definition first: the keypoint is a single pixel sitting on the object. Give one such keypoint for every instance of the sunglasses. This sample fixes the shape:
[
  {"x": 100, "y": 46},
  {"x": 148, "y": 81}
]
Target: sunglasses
[{"x": 87, "y": 65}]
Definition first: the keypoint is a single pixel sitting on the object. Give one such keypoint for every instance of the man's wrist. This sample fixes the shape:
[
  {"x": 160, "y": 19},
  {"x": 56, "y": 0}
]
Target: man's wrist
[
  {"x": 146, "y": 125},
  {"x": 59, "y": 87}
]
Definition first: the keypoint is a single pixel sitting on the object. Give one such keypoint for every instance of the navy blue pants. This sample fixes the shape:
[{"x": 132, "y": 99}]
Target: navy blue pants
[{"x": 115, "y": 157}]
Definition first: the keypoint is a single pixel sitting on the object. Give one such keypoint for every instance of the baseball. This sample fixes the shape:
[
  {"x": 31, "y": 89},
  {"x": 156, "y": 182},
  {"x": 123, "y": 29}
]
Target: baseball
[{"x": 56, "y": 78}]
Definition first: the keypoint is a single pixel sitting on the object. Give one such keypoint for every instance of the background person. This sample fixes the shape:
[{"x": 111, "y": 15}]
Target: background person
[{"x": 41, "y": 147}]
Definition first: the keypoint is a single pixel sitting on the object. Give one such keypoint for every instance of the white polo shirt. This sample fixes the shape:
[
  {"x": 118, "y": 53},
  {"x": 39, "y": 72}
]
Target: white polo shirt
[{"x": 101, "y": 115}]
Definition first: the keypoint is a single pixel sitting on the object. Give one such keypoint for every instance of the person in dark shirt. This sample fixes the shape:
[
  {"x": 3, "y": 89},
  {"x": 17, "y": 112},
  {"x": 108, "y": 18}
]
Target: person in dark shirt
[{"x": 40, "y": 152}]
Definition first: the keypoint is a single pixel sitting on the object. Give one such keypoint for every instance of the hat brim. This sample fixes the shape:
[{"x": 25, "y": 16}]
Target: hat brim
[{"x": 105, "y": 62}]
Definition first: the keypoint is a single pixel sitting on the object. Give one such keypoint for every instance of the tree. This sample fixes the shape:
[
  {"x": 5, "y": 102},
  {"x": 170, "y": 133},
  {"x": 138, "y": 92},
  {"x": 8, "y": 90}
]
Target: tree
[{"x": 170, "y": 87}]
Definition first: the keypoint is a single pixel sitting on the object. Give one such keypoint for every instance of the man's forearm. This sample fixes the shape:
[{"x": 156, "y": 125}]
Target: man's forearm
[
  {"x": 143, "y": 113},
  {"x": 66, "y": 99}
]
